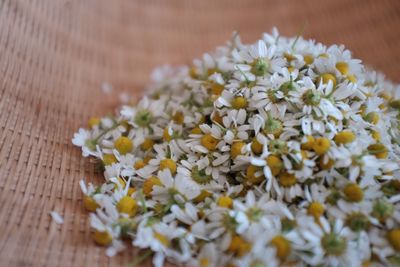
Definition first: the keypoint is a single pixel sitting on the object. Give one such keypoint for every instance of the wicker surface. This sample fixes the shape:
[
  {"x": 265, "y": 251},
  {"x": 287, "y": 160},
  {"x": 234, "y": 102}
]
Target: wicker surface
[{"x": 54, "y": 55}]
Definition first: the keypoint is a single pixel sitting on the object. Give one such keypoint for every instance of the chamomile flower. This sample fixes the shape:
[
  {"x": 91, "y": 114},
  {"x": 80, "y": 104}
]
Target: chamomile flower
[
  {"x": 329, "y": 244},
  {"x": 83, "y": 139},
  {"x": 261, "y": 58},
  {"x": 200, "y": 172},
  {"x": 176, "y": 188}
]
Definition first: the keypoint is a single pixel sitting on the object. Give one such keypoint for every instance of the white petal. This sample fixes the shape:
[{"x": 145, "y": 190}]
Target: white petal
[{"x": 56, "y": 217}]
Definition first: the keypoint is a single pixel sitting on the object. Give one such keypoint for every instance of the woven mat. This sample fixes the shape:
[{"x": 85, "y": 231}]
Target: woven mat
[{"x": 54, "y": 56}]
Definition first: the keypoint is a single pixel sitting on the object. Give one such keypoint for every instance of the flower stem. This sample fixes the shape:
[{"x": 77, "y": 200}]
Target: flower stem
[
  {"x": 140, "y": 259},
  {"x": 106, "y": 131},
  {"x": 298, "y": 35}
]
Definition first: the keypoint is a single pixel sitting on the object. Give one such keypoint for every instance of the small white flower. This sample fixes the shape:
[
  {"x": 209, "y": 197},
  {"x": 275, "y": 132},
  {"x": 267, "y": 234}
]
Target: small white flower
[{"x": 181, "y": 187}]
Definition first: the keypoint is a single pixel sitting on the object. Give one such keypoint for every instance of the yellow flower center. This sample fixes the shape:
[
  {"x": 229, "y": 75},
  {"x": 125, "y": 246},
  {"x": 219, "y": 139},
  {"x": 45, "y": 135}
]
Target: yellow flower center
[
  {"x": 202, "y": 196},
  {"x": 178, "y": 117},
  {"x": 309, "y": 144},
  {"x": 204, "y": 262},
  {"x": 90, "y": 204},
  {"x": 289, "y": 57},
  {"x": 102, "y": 238},
  {"x": 146, "y": 159},
  {"x": 395, "y": 103},
  {"x": 147, "y": 144},
  {"x": 212, "y": 71},
  {"x": 376, "y": 135},
  {"x": 139, "y": 164},
  {"x": 393, "y": 237},
  {"x": 236, "y": 149},
  {"x": 217, "y": 118},
  {"x": 193, "y": 72},
  {"x": 282, "y": 246},
  {"x": 315, "y": 209},
  {"x": 351, "y": 78},
  {"x": 372, "y": 117},
  {"x": 308, "y": 59},
  {"x": 321, "y": 145},
  {"x": 209, "y": 142},
  {"x": 196, "y": 130},
  {"x": 127, "y": 205},
  {"x": 162, "y": 238},
  {"x": 379, "y": 150},
  {"x": 109, "y": 159},
  {"x": 385, "y": 96},
  {"x": 251, "y": 174},
  {"x": 344, "y": 137},
  {"x": 362, "y": 110},
  {"x": 239, "y": 102},
  {"x": 275, "y": 164},
  {"x": 123, "y": 145},
  {"x": 216, "y": 88},
  {"x": 287, "y": 179},
  {"x": 121, "y": 183},
  {"x": 168, "y": 164},
  {"x": 225, "y": 202},
  {"x": 353, "y": 193},
  {"x": 256, "y": 146},
  {"x": 149, "y": 183},
  {"x": 125, "y": 124},
  {"x": 166, "y": 136},
  {"x": 325, "y": 78},
  {"x": 342, "y": 67},
  {"x": 131, "y": 190},
  {"x": 325, "y": 165},
  {"x": 304, "y": 154},
  {"x": 239, "y": 246},
  {"x": 93, "y": 122}
]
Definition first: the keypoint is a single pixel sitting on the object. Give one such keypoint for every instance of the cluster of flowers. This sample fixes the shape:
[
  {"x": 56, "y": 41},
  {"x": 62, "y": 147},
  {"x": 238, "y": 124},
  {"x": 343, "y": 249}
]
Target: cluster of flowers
[{"x": 280, "y": 153}]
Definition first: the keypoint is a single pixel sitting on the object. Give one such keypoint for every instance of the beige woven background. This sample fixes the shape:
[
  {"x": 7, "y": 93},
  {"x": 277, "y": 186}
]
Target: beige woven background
[{"x": 54, "y": 55}]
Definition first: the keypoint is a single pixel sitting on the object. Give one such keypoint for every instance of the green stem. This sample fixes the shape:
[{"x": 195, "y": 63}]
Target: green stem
[
  {"x": 142, "y": 201},
  {"x": 140, "y": 259},
  {"x": 106, "y": 131},
  {"x": 269, "y": 117},
  {"x": 235, "y": 34},
  {"x": 244, "y": 74},
  {"x": 298, "y": 35}
]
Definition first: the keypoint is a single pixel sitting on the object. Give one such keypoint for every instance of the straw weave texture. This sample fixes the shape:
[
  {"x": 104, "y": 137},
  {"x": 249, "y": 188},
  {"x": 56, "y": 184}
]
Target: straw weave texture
[{"x": 55, "y": 54}]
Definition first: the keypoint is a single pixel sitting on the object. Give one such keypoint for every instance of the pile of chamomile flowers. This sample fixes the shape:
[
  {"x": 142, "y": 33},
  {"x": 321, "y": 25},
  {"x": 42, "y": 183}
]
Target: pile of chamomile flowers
[{"x": 284, "y": 152}]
